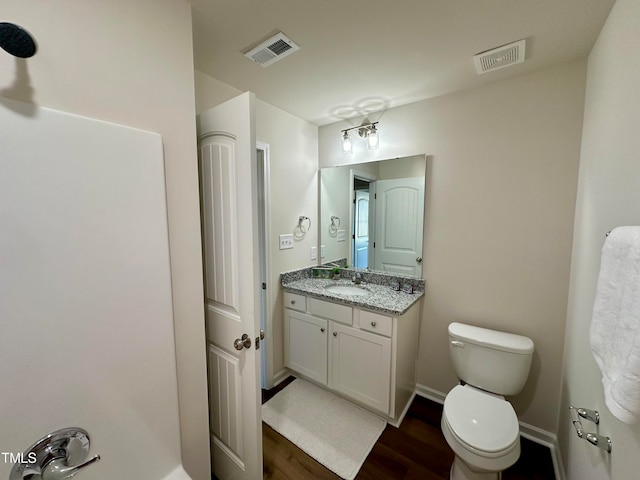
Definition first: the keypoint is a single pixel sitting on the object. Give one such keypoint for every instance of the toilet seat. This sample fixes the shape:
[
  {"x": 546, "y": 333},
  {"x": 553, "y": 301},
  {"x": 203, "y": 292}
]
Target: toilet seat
[{"x": 481, "y": 422}]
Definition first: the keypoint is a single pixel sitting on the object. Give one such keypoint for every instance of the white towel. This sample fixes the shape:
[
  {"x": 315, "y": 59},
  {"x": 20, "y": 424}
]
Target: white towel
[{"x": 615, "y": 325}]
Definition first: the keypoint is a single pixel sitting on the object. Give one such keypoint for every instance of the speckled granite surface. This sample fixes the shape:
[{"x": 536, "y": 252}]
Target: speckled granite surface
[{"x": 381, "y": 297}]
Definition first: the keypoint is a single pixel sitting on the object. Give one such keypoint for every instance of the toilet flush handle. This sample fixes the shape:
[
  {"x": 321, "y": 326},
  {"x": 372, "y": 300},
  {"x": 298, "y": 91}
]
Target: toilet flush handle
[{"x": 457, "y": 343}]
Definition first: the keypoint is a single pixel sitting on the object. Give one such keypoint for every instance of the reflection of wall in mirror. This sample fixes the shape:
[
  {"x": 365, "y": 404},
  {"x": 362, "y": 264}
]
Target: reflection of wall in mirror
[{"x": 334, "y": 196}]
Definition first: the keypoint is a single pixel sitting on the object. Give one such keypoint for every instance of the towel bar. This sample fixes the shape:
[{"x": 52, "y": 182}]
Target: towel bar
[{"x": 599, "y": 441}]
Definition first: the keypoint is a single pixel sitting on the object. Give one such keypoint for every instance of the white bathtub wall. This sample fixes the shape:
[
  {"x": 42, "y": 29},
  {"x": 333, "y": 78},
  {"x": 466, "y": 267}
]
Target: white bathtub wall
[
  {"x": 608, "y": 196},
  {"x": 132, "y": 63},
  {"x": 87, "y": 326}
]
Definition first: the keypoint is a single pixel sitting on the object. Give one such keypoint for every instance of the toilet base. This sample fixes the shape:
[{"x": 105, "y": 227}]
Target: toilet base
[{"x": 461, "y": 471}]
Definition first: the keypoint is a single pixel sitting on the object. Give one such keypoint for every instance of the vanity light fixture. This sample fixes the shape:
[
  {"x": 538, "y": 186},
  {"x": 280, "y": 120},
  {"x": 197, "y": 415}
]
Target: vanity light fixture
[{"x": 367, "y": 130}]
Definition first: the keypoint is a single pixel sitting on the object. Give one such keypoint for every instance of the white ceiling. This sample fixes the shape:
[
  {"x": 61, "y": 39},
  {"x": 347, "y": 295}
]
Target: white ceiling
[{"x": 360, "y": 56}]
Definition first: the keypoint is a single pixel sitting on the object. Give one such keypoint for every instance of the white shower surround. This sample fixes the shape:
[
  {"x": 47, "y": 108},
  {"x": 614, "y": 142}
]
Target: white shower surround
[{"x": 85, "y": 284}]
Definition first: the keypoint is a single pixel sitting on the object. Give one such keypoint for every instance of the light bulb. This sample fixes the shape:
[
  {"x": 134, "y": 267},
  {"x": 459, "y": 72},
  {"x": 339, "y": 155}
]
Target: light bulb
[
  {"x": 346, "y": 142},
  {"x": 372, "y": 138}
]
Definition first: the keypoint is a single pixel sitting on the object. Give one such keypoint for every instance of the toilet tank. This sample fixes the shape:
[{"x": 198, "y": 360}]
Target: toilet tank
[{"x": 495, "y": 361}]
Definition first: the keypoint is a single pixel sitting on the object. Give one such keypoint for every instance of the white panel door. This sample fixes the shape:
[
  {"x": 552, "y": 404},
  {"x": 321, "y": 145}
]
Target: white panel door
[
  {"x": 399, "y": 219},
  {"x": 228, "y": 169}
]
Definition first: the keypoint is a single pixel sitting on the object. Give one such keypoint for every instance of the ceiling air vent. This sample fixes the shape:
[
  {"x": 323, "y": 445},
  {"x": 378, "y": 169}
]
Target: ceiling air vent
[
  {"x": 272, "y": 50},
  {"x": 500, "y": 57}
]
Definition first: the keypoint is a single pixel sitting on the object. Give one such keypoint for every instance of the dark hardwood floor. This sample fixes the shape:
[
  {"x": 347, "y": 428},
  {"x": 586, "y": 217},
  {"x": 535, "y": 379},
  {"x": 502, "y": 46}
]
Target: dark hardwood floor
[{"x": 415, "y": 451}]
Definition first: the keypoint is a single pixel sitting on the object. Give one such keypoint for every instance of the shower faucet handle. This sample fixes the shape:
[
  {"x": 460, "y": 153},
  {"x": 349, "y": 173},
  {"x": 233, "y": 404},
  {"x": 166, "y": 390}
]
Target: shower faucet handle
[
  {"x": 57, "y": 456},
  {"x": 58, "y": 469}
]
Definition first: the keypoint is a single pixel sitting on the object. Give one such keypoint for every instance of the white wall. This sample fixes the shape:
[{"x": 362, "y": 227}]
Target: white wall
[
  {"x": 132, "y": 63},
  {"x": 211, "y": 91},
  {"x": 293, "y": 179},
  {"x": 608, "y": 196},
  {"x": 499, "y": 205},
  {"x": 293, "y": 189}
]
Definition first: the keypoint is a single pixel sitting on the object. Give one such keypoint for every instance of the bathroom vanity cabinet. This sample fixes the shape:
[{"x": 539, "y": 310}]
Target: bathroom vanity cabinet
[{"x": 364, "y": 355}]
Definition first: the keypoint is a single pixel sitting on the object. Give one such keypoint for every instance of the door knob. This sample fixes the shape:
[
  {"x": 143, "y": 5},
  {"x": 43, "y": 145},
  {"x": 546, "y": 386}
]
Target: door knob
[
  {"x": 244, "y": 342},
  {"x": 57, "y": 456},
  {"x": 419, "y": 259}
]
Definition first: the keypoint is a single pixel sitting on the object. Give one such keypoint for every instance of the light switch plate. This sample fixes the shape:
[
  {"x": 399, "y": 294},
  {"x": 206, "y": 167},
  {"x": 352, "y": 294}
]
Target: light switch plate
[
  {"x": 314, "y": 253},
  {"x": 286, "y": 241},
  {"x": 342, "y": 235},
  {"x": 321, "y": 251}
]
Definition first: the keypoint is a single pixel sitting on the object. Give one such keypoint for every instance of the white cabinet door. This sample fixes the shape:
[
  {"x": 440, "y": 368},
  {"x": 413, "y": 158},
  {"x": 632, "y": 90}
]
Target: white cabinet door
[
  {"x": 360, "y": 364},
  {"x": 305, "y": 339}
]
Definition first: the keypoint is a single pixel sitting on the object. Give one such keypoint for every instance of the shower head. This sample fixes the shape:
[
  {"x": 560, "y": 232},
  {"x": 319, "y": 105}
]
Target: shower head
[{"x": 16, "y": 41}]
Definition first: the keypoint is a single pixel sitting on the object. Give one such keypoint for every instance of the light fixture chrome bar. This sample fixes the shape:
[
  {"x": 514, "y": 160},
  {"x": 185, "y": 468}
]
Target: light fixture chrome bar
[{"x": 364, "y": 125}]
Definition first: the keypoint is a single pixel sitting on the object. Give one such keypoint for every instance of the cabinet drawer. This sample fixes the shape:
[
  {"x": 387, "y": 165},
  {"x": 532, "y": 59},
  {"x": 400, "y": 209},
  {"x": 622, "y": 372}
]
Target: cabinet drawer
[
  {"x": 376, "y": 323},
  {"x": 295, "y": 301},
  {"x": 332, "y": 311}
]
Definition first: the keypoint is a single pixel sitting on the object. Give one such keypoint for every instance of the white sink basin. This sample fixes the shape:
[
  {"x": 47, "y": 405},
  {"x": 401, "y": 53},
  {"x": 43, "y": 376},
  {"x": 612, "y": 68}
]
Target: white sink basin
[{"x": 347, "y": 290}]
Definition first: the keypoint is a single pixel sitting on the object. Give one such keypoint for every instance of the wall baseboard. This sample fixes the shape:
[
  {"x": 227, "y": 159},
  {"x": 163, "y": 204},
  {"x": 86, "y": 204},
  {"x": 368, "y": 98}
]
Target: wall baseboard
[
  {"x": 549, "y": 440},
  {"x": 280, "y": 377},
  {"x": 530, "y": 432},
  {"x": 430, "y": 393}
]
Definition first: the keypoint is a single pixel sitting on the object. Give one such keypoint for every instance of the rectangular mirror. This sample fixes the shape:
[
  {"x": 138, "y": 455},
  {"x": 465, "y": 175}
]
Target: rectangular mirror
[{"x": 372, "y": 214}]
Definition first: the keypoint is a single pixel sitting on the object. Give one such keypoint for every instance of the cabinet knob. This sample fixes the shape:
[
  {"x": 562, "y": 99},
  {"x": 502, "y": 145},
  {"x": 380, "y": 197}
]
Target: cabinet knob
[
  {"x": 335, "y": 334},
  {"x": 373, "y": 324},
  {"x": 322, "y": 330},
  {"x": 293, "y": 302}
]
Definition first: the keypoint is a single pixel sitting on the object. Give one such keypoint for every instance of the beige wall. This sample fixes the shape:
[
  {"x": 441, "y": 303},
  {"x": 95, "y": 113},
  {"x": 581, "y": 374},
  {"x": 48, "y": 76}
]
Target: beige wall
[
  {"x": 334, "y": 201},
  {"x": 293, "y": 190},
  {"x": 608, "y": 196},
  {"x": 131, "y": 63},
  {"x": 211, "y": 92},
  {"x": 500, "y": 197}
]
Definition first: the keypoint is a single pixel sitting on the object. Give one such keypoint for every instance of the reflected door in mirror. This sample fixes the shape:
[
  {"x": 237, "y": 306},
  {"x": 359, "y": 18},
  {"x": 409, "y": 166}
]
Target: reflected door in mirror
[{"x": 399, "y": 221}]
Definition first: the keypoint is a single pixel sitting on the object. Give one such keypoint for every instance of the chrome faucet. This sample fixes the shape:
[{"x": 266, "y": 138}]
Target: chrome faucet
[
  {"x": 50, "y": 457},
  {"x": 357, "y": 278}
]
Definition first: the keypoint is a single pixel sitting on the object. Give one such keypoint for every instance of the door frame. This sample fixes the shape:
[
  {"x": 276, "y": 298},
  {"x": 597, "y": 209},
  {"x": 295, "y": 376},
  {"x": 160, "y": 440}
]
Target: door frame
[
  {"x": 367, "y": 177},
  {"x": 264, "y": 214}
]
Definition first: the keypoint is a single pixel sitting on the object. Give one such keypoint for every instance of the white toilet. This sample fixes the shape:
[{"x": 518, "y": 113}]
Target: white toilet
[{"x": 480, "y": 426}]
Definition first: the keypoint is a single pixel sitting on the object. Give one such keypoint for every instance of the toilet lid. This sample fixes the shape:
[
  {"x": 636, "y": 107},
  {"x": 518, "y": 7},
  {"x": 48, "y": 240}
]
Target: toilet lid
[{"x": 483, "y": 421}]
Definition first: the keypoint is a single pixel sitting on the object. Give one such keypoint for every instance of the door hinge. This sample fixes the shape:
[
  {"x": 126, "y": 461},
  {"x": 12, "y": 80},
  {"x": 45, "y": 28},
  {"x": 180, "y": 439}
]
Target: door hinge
[{"x": 264, "y": 286}]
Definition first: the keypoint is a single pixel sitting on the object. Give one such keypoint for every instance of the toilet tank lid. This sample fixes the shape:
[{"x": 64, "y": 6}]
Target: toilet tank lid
[{"x": 507, "y": 342}]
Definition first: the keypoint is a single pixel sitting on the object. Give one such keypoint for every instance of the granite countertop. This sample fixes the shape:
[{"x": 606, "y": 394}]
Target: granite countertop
[{"x": 382, "y": 297}]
